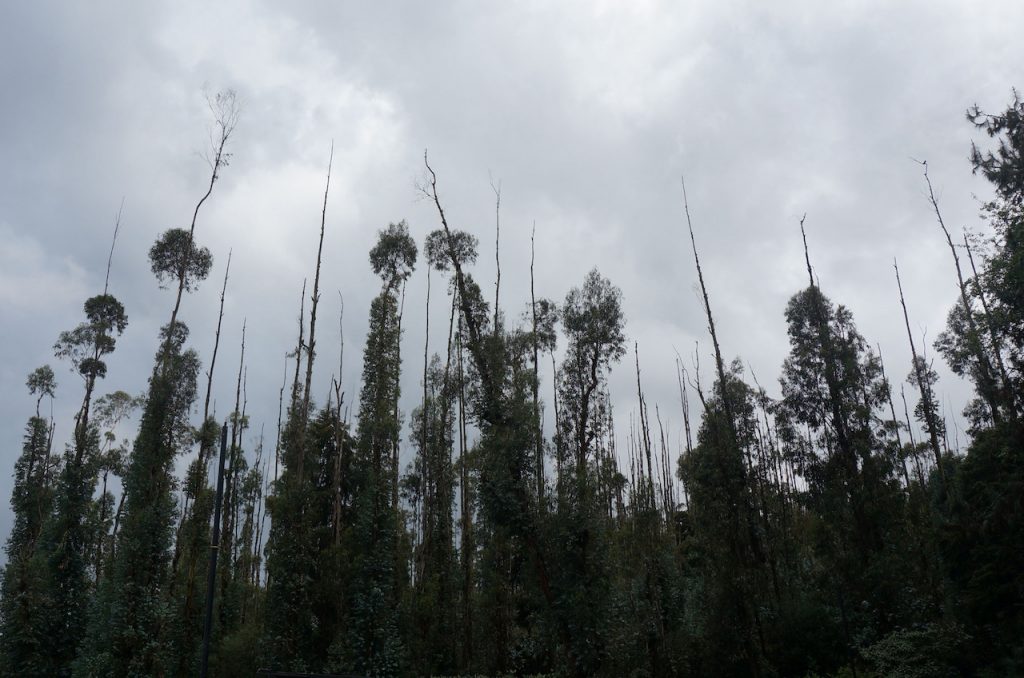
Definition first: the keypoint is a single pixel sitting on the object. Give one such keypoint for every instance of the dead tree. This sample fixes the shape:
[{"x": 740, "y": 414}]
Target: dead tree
[{"x": 923, "y": 387}]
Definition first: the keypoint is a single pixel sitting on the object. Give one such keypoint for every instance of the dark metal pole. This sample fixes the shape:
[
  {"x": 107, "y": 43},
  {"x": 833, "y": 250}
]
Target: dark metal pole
[{"x": 211, "y": 574}]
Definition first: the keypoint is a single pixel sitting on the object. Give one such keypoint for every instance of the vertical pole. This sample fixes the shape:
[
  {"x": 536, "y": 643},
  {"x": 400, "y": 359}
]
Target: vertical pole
[{"x": 211, "y": 573}]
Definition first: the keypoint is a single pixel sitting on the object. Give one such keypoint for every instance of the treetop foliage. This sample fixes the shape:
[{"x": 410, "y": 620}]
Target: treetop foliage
[{"x": 512, "y": 522}]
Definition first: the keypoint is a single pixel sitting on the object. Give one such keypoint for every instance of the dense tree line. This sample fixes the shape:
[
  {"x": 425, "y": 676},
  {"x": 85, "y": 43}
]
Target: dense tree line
[{"x": 830, "y": 531}]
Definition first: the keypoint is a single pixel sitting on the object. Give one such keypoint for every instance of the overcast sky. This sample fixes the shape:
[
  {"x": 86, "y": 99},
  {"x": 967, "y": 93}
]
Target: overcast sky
[{"x": 586, "y": 112}]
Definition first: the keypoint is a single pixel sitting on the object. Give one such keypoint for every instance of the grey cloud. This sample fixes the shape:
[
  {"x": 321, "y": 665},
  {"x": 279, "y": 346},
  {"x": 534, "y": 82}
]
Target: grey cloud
[{"x": 588, "y": 114}]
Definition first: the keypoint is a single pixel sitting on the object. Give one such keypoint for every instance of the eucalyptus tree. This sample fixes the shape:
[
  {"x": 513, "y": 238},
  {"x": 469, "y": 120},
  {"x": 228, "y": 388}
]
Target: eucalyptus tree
[
  {"x": 296, "y": 635},
  {"x": 728, "y": 560},
  {"x": 832, "y": 425},
  {"x": 544, "y": 318},
  {"x": 192, "y": 537},
  {"x": 998, "y": 285},
  {"x": 510, "y": 528},
  {"x": 111, "y": 411},
  {"x": 433, "y": 423},
  {"x": 41, "y": 383},
  {"x": 928, "y": 407},
  {"x": 994, "y": 390},
  {"x": 593, "y": 322},
  {"x": 23, "y": 636},
  {"x": 66, "y": 535},
  {"x": 983, "y": 520},
  {"x": 744, "y": 542},
  {"x": 130, "y": 627},
  {"x": 435, "y": 581},
  {"x": 926, "y": 410},
  {"x": 372, "y": 642}
]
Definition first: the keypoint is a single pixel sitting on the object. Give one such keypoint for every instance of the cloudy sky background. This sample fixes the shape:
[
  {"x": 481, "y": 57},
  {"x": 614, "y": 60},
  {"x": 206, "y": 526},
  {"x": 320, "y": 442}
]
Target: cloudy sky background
[{"x": 587, "y": 113}]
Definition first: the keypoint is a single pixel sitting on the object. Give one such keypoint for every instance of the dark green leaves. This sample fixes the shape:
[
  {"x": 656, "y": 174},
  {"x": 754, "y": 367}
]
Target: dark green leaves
[
  {"x": 393, "y": 258},
  {"x": 441, "y": 247},
  {"x": 592, "y": 315},
  {"x": 41, "y": 382},
  {"x": 175, "y": 257}
]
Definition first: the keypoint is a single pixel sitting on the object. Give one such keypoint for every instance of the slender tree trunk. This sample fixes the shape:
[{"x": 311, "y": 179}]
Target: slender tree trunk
[
  {"x": 225, "y": 119},
  {"x": 750, "y": 650},
  {"x": 311, "y": 349},
  {"x": 895, "y": 421},
  {"x": 395, "y": 442},
  {"x": 213, "y": 356},
  {"x": 910, "y": 433},
  {"x": 924, "y": 388},
  {"x": 988, "y": 387},
  {"x": 497, "y": 249},
  {"x": 1009, "y": 397},
  {"x": 539, "y": 433},
  {"x": 466, "y": 547}
]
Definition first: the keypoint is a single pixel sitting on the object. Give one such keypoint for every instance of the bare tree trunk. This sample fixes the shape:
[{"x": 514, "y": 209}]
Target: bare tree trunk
[
  {"x": 225, "y": 112},
  {"x": 925, "y": 390},
  {"x": 395, "y": 445},
  {"x": 750, "y": 650},
  {"x": 892, "y": 410},
  {"x": 423, "y": 413},
  {"x": 988, "y": 388},
  {"x": 299, "y": 348},
  {"x": 230, "y": 490},
  {"x": 497, "y": 244},
  {"x": 1008, "y": 394},
  {"x": 910, "y": 433},
  {"x": 280, "y": 407},
  {"x": 539, "y": 433},
  {"x": 465, "y": 514},
  {"x": 311, "y": 349},
  {"x": 213, "y": 356}
]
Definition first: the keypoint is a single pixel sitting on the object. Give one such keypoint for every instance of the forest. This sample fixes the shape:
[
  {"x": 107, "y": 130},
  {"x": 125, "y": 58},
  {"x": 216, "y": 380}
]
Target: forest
[{"x": 504, "y": 526}]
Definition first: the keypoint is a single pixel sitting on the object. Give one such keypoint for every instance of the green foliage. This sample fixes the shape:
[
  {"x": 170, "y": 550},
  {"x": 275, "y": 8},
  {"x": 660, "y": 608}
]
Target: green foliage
[
  {"x": 90, "y": 341},
  {"x": 1004, "y": 167},
  {"x": 593, "y": 322},
  {"x": 804, "y": 536},
  {"x": 371, "y": 642},
  {"x": 440, "y": 249},
  {"x": 932, "y": 651},
  {"x": 41, "y": 383},
  {"x": 175, "y": 257},
  {"x": 393, "y": 258},
  {"x": 434, "y": 602},
  {"x": 128, "y": 631},
  {"x": 23, "y": 634}
]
